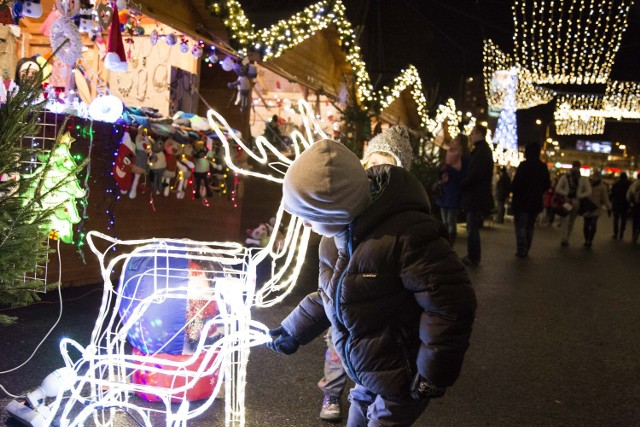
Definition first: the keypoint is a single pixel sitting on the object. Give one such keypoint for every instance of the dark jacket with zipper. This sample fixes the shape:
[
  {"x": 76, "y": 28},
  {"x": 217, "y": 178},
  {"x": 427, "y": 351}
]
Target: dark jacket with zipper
[{"x": 397, "y": 297}]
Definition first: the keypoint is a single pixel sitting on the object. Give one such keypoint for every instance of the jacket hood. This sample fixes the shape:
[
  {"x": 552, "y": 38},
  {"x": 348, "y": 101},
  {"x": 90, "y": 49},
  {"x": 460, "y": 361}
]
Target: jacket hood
[{"x": 326, "y": 184}]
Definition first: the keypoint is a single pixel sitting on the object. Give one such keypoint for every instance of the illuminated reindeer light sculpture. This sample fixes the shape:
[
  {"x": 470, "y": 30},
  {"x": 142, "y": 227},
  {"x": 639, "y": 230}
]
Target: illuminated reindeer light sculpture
[{"x": 137, "y": 351}]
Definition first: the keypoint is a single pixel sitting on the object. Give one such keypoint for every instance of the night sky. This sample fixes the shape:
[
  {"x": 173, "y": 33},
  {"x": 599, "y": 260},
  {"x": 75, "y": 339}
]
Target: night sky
[{"x": 443, "y": 39}]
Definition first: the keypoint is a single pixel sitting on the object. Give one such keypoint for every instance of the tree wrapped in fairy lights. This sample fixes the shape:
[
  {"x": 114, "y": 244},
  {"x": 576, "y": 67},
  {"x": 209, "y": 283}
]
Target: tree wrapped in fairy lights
[{"x": 24, "y": 215}]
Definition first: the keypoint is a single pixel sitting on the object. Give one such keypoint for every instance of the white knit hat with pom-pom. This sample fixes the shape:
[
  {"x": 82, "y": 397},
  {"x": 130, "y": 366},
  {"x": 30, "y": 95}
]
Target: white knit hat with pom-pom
[{"x": 393, "y": 141}]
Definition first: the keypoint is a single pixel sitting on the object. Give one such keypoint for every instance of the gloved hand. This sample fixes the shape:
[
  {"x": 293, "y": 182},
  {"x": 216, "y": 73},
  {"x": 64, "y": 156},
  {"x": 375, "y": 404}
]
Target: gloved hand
[
  {"x": 423, "y": 389},
  {"x": 282, "y": 341}
]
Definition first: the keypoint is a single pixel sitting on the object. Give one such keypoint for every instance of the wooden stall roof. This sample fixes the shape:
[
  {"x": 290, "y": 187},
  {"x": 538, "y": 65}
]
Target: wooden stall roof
[
  {"x": 317, "y": 62},
  {"x": 403, "y": 110},
  {"x": 190, "y": 17}
]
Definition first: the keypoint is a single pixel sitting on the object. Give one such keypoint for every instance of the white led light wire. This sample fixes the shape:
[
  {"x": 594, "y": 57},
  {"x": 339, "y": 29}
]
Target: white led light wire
[
  {"x": 313, "y": 132},
  {"x": 104, "y": 366}
]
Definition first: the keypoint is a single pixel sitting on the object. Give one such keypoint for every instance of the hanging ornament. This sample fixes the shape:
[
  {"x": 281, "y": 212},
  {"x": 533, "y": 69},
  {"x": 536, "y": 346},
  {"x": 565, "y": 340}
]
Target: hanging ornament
[
  {"x": 196, "y": 51},
  {"x": 184, "y": 46},
  {"x": 32, "y": 9},
  {"x": 227, "y": 63},
  {"x": 115, "y": 59},
  {"x": 171, "y": 39},
  {"x": 17, "y": 12},
  {"x": 153, "y": 38},
  {"x": 122, "y": 4},
  {"x": 68, "y": 8},
  {"x": 62, "y": 30},
  {"x": 105, "y": 15},
  {"x": 85, "y": 22}
]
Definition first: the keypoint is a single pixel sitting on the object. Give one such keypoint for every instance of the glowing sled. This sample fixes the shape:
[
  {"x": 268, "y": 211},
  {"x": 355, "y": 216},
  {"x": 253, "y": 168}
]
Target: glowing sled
[{"x": 100, "y": 382}]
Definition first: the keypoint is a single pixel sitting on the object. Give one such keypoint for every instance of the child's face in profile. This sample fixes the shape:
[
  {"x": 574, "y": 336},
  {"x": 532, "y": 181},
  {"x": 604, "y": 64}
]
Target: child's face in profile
[{"x": 380, "y": 159}]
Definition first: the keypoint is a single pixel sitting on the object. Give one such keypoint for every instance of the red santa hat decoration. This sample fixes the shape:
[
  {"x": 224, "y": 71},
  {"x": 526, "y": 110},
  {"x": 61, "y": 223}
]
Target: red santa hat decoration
[{"x": 116, "y": 58}]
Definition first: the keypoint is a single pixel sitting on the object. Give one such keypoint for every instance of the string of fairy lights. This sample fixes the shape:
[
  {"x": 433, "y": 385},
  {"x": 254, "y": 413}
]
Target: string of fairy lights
[
  {"x": 568, "y": 42},
  {"x": 579, "y": 114},
  {"x": 565, "y": 42},
  {"x": 273, "y": 41},
  {"x": 528, "y": 94}
]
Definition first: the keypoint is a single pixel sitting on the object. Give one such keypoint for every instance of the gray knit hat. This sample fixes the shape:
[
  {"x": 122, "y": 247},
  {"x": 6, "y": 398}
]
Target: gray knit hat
[
  {"x": 326, "y": 184},
  {"x": 393, "y": 141}
]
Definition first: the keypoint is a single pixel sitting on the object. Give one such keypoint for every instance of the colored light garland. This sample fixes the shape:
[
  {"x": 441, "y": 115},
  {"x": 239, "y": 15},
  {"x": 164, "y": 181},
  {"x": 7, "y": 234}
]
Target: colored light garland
[{"x": 568, "y": 42}]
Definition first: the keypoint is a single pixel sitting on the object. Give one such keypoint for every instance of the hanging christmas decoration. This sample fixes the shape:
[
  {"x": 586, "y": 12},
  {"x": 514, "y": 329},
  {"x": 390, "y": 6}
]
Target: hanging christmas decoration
[
  {"x": 568, "y": 42},
  {"x": 59, "y": 190},
  {"x": 32, "y": 9},
  {"x": 105, "y": 13},
  {"x": 116, "y": 59},
  {"x": 579, "y": 114},
  {"x": 64, "y": 34}
]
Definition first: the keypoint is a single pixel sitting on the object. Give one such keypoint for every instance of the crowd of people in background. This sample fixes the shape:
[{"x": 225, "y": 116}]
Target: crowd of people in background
[{"x": 530, "y": 194}]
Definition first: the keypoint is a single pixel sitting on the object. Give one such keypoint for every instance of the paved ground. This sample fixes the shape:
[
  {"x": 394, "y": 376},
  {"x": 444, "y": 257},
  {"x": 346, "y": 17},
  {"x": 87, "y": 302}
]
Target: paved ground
[{"x": 556, "y": 342}]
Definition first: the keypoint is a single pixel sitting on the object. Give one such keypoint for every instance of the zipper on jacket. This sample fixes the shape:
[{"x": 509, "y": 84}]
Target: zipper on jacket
[{"x": 336, "y": 302}]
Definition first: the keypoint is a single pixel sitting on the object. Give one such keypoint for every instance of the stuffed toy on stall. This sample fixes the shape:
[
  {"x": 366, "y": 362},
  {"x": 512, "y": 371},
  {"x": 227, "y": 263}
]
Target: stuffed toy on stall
[
  {"x": 157, "y": 165},
  {"x": 172, "y": 150},
  {"x": 125, "y": 167},
  {"x": 259, "y": 236},
  {"x": 201, "y": 172},
  {"x": 185, "y": 166},
  {"x": 245, "y": 72},
  {"x": 143, "y": 151}
]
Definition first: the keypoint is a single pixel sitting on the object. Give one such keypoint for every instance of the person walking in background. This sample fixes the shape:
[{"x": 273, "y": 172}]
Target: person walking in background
[
  {"x": 633, "y": 196},
  {"x": 477, "y": 198},
  {"x": 529, "y": 184},
  {"x": 452, "y": 173},
  {"x": 392, "y": 147},
  {"x": 550, "y": 214},
  {"x": 503, "y": 189},
  {"x": 600, "y": 198},
  {"x": 620, "y": 205},
  {"x": 398, "y": 299},
  {"x": 574, "y": 187}
]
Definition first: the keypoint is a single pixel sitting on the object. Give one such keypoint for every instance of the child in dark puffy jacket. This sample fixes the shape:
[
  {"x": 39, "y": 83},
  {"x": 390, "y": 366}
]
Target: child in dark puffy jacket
[{"x": 397, "y": 297}]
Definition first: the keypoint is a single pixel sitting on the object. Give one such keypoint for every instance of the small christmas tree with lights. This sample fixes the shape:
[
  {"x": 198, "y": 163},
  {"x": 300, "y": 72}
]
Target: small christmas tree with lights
[
  {"x": 26, "y": 203},
  {"x": 59, "y": 188}
]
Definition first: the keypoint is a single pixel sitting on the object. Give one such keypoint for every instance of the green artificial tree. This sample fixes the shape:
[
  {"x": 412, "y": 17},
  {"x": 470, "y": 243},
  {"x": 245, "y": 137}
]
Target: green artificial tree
[{"x": 26, "y": 203}]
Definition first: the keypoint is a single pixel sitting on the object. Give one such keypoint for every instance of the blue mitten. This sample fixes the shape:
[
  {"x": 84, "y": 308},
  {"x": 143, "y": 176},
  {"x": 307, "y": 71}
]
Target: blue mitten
[{"x": 282, "y": 341}]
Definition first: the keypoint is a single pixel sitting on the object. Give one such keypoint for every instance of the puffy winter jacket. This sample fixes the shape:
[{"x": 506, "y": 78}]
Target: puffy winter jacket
[
  {"x": 396, "y": 294},
  {"x": 476, "y": 186}
]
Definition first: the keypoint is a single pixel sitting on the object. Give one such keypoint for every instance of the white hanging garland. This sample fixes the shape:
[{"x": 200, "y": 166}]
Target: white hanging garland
[{"x": 62, "y": 30}]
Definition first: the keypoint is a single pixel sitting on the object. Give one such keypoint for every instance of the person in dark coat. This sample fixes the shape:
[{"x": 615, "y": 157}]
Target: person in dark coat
[
  {"x": 529, "y": 184},
  {"x": 452, "y": 173},
  {"x": 477, "y": 198},
  {"x": 398, "y": 300},
  {"x": 620, "y": 205},
  {"x": 503, "y": 189}
]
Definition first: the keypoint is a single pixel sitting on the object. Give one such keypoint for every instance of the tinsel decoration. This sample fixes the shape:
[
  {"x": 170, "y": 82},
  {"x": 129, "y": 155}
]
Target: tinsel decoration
[{"x": 64, "y": 30}]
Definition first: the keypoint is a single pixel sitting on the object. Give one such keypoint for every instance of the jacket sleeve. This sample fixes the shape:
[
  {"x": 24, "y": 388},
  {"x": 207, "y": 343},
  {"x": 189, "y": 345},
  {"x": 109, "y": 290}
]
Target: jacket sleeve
[
  {"x": 434, "y": 273},
  {"x": 584, "y": 188},
  {"x": 308, "y": 320},
  {"x": 563, "y": 185}
]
